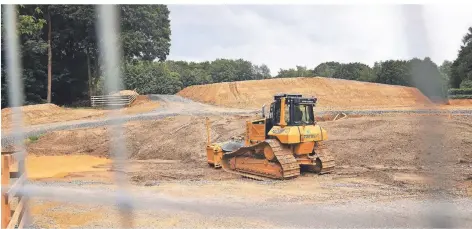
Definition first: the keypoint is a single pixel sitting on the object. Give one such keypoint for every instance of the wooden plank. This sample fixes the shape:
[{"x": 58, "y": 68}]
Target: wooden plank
[
  {"x": 25, "y": 214},
  {"x": 6, "y": 212},
  {"x": 15, "y": 219},
  {"x": 11, "y": 159},
  {"x": 15, "y": 174},
  {"x": 21, "y": 225},
  {"x": 8, "y": 152},
  {"x": 16, "y": 186}
]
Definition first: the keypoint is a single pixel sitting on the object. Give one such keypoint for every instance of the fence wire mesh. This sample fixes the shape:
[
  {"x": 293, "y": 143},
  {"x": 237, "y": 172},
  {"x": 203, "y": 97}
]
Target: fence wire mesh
[{"x": 438, "y": 215}]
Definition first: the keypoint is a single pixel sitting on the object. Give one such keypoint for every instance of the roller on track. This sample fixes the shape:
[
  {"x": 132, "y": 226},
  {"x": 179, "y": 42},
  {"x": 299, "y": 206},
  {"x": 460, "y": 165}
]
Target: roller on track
[{"x": 279, "y": 146}]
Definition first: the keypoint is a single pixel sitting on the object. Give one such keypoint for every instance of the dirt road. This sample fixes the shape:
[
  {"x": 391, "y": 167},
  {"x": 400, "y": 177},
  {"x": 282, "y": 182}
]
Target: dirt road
[
  {"x": 227, "y": 208},
  {"x": 381, "y": 169},
  {"x": 174, "y": 105},
  {"x": 170, "y": 105},
  {"x": 384, "y": 165}
]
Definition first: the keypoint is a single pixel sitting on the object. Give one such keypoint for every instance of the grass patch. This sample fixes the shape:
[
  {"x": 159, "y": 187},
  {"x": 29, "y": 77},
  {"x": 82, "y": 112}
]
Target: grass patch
[{"x": 33, "y": 138}]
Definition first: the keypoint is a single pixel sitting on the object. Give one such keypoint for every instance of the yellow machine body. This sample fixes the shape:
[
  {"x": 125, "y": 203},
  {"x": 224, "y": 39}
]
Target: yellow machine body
[{"x": 277, "y": 150}]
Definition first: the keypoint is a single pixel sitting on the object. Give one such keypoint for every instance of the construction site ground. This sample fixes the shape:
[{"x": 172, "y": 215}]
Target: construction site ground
[
  {"x": 379, "y": 159},
  {"x": 384, "y": 163},
  {"x": 50, "y": 113}
]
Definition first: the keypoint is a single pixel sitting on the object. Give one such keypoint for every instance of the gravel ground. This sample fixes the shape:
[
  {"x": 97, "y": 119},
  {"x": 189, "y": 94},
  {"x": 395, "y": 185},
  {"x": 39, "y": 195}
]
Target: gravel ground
[
  {"x": 233, "y": 204},
  {"x": 173, "y": 105},
  {"x": 152, "y": 208}
]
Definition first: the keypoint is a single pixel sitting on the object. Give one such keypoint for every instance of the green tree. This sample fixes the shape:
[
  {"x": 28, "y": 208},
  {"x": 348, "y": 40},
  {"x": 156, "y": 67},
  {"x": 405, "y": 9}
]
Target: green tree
[
  {"x": 354, "y": 71},
  {"x": 394, "y": 72},
  {"x": 261, "y": 72},
  {"x": 326, "y": 69},
  {"x": 466, "y": 83},
  {"x": 244, "y": 70},
  {"x": 145, "y": 35},
  {"x": 32, "y": 47},
  {"x": 445, "y": 69},
  {"x": 223, "y": 70},
  {"x": 145, "y": 31},
  {"x": 461, "y": 68},
  {"x": 151, "y": 78},
  {"x": 426, "y": 77},
  {"x": 299, "y": 71}
]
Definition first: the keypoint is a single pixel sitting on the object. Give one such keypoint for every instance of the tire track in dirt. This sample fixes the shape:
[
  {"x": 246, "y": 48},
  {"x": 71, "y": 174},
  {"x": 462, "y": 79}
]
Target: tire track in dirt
[
  {"x": 171, "y": 105},
  {"x": 174, "y": 105}
]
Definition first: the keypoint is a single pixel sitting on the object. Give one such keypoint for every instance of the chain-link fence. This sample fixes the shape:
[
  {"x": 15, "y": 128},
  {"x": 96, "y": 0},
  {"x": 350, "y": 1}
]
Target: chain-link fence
[{"x": 438, "y": 213}]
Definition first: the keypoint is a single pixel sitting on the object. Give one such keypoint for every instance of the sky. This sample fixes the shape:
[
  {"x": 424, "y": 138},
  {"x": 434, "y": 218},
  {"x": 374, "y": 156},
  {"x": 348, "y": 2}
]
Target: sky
[{"x": 283, "y": 36}]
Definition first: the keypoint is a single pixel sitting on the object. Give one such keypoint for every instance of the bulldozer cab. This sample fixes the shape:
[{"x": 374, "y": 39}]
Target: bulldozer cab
[{"x": 291, "y": 110}]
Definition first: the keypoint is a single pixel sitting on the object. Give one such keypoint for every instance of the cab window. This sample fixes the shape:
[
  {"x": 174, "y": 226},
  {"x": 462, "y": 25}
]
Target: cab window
[{"x": 303, "y": 114}]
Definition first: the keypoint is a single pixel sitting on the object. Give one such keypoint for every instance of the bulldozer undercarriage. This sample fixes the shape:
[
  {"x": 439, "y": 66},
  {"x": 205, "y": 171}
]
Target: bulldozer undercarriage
[{"x": 272, "y": 160}]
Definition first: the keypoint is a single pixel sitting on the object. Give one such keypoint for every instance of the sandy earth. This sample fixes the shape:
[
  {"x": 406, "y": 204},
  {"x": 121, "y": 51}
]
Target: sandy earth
[
  {"x": 386, "y": 142},
  {"x": 50, "y": 113},
  {"x": 384, "y": 162},
  {"x": 332, "y": 93},
  {"x": 379, "y": 160},
  {"x": 61, "y": 166}
]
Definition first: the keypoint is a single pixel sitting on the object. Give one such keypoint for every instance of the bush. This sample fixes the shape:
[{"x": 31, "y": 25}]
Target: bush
[
  {"x": 33, "y": 138},
  {"x": 466, "y": 84},
  {"x": 461, "y": 91},
  {"x": 151, "y": 78}
]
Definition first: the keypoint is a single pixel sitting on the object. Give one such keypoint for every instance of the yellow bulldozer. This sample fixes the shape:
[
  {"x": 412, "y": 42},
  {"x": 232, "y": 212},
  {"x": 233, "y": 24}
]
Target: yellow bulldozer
[{"x": 278, "y": 146}]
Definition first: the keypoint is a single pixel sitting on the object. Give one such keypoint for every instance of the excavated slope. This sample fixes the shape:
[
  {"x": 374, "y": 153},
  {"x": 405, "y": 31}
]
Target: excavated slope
[{"x": 331, "y": 93}]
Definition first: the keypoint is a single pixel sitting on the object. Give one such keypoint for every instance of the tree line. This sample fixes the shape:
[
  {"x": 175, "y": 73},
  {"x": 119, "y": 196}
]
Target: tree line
[
  {"x": 423, "y": 74},
  {"x": 169, "y": 77},
  {"x": 59, "y": 43},
  {"x": 434, "y": 81}
]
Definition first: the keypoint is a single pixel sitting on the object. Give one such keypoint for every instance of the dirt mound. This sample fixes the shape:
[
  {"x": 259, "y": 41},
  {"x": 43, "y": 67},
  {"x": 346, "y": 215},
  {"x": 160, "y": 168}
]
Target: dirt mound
[
  {"x": 32, "y": 110},
  {"x": 50, "y": 113},
  {"x": 174, "y": 138},
  {"x": 141, "y": 104},
  {"x": 363, "y": 144},
  {"x": 332, "y": 93},
  {"x": 460, "y": 102},
  {"x": 47, "y": 113},
  {"x": 395, "y": 141},
  {"x": 126, "y": 92}
]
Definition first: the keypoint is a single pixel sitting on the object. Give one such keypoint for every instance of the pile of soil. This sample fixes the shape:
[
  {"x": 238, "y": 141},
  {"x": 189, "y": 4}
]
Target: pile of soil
[
  {"x": 362, "y": 144},
  {"x": 141, "y": 104},
  {"x": 173, "y": 138},
  {"x": 331, "y": 93},
  {"x": 29, "y": 111},
  {"x": 48, "y": 113},
  {"x": 460, "y": 102}
]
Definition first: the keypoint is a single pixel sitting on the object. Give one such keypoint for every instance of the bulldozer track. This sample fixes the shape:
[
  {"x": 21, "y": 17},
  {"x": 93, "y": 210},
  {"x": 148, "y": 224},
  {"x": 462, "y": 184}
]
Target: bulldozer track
[
  {"x": 284, "y": 156},
  {"x": 288, "y": 163},
  {"x": 327, "y": 160}
]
